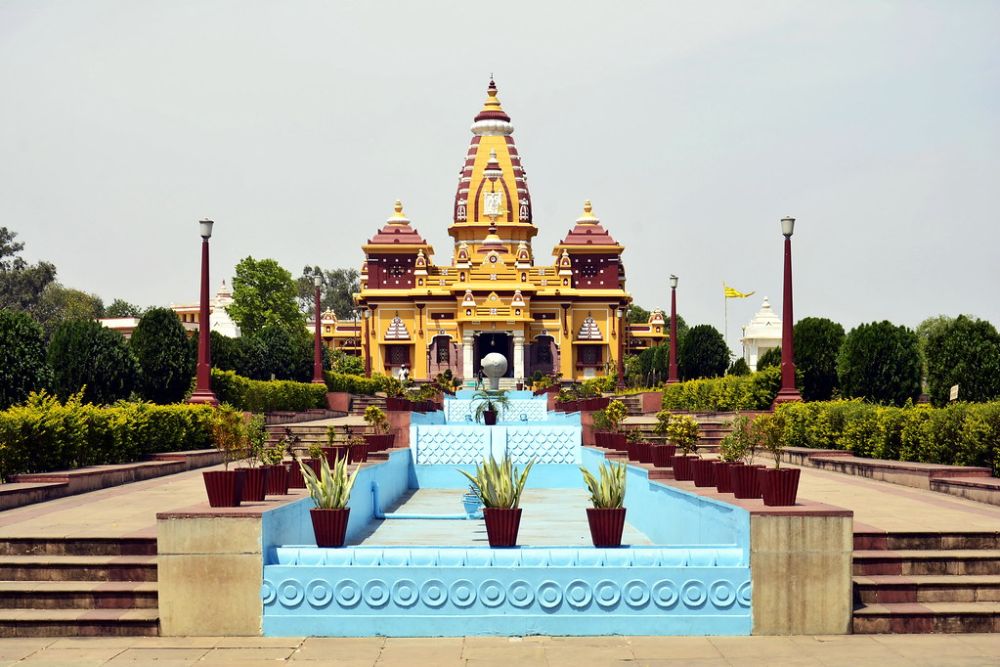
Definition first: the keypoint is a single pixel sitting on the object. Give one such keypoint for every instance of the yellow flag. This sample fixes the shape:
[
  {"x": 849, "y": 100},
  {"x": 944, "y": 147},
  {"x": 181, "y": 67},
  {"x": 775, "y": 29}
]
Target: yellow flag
[{"x": 734, "y": 294}]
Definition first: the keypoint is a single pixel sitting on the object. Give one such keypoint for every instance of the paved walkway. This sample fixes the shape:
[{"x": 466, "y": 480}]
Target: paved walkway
[{"x": 851, "y": 650}]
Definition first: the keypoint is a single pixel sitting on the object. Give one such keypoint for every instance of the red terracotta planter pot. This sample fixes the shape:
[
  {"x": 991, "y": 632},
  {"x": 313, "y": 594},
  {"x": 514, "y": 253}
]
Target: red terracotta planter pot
[
  {"x": 502, "y": 526},
  {"x": 490, "y": 418},
  {"x": 601, "y": 438},
  {"x": 703, "y": 472},
  {"x": 359, "y": 453},
  {"x": 663, "y": 455},
  {"x": 255, "y": 484},
  {"x": 330, "y": 526},
  {"x": 606, "y": 526},
  {"x": 295, "y": 478},
  {"x": 224, "y": 487},
  {"x": 723, "y": 479},
  {"x": 338, "y": 452},
  {"x": 745, "y": 481},
  {"x": 779, "y": 487},
  {"x": 630, "y": 451},
  {"x": 682, "y": 468},
  {"x": 644, "y": 452},
  {"x": 617, "y": 441},
  {"x": 277, "y": 480}
]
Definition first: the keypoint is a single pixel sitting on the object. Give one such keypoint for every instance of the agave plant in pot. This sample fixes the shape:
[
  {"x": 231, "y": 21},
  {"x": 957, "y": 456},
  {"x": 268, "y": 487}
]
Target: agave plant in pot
[
  {"x": 380, "y": 438},
  {"x": 616, "y": 413},
  {"x": 225, "y": 487},
  {"x": 662, "y": 455},
  {"x": 607, "y": 494},
  {"x": 683, "y": 433},
  {"x": 779, "y": 486},
  {"x": 499, "y": 486},
  {"x": 489, "y": 405},
  {"x": 255, "y": 484},
  {"x": 330, "y": 491}
]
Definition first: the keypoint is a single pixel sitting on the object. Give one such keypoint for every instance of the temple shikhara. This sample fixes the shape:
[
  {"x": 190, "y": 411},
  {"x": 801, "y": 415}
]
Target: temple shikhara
[{"x": 564, "y": 316}]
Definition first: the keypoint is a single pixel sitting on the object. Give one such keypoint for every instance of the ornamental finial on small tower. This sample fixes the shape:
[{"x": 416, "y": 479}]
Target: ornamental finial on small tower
[
  {"x": 588, "y": 217},
  {"x": 491, "y": 107},
  {"x": 397, "y": 217}
]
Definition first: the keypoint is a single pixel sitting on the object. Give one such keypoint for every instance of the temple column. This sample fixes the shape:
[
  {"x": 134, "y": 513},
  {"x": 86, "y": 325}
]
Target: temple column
[
  {"x": 468, "y": 372},
  {"x": 518, "y": 357}
]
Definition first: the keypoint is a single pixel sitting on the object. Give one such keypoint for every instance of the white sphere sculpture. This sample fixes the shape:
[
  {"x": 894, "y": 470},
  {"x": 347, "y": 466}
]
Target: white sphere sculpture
[{"x": 494, "y": 366}]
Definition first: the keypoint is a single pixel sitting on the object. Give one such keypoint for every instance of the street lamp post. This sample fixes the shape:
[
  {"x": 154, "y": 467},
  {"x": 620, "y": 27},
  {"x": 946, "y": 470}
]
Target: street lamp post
[
  {"x": 203, "y": 380},
  {"x": 622, "y": 324},
  {"x": 318, "y": 342},
  {"x": 788, "y": 390},
  {"x": 672, "y": 370},
  {"x": 367, "y": 344}
]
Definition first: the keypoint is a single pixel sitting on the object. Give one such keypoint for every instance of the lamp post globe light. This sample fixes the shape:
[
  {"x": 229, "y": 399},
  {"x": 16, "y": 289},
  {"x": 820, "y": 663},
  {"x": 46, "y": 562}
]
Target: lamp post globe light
[
  {"x": 788, "y": 391},
  {"x": 203, "y": 393},
  {"x": 318, "y": 336},
  {"x": 672, "y": 369}
]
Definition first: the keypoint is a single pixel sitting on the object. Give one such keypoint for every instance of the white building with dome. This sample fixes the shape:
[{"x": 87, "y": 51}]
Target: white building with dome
[{"x": 763, "y": 333}]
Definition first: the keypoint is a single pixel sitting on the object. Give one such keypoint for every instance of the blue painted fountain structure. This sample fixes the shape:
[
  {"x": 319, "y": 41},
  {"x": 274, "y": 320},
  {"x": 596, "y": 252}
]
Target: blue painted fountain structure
[{"x": 694, "y": 580}]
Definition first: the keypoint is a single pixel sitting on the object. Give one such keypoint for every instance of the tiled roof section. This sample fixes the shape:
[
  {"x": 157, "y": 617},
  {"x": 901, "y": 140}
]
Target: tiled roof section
[
  {"x": 397, "y": 230},
  {"x": 397, "y": 330},
  {"x": 589, "y": 330},
  {"x": 588, "y": 230}
]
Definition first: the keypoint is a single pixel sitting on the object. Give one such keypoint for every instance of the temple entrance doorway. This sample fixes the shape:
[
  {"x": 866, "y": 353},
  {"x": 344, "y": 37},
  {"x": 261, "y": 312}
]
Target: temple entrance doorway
[{"x": 494, "y": 342}]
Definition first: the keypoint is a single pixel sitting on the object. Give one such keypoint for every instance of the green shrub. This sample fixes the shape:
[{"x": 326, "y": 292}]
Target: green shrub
[
  {"x": 45, "y": 434},
  {"x": 266, "y": 395},
  {"x": 22, "y": 358},
  {"x": 727, "y": 394},
  {"x": 165, "y": 356},
  {"x": 356, "y": 384},
  {"x": 880, "y": 362},
  {"x": 702, "y": 353},
  {"x": 817, "y": 342},
  {"x": 964, "y": 351},
  {"x": 85, "y": 356}
]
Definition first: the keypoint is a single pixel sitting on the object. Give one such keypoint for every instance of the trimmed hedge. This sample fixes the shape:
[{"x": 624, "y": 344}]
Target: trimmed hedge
[
  {"x": 355, "y": 384},
  {"x": 44, "y": 434},
  {"x": 726, "y": 394},
  {"x": 959, "y": 434},
  {"x": 266, "y": 395}
]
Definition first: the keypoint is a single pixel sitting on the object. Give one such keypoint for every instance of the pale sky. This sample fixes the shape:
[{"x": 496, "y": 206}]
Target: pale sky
[{"x": 693, "y": 128}]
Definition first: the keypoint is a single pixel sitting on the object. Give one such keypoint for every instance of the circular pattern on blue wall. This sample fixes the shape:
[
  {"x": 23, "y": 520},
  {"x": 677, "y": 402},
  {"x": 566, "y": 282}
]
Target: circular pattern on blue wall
[
  {"x": 694, "y": 593},
  {"x": 664, "y": 593},
  {"x": 521, "y": 594},
  {"x": 267, "y": 593},
  {"x": 463, "y": 593},
  {"x": 492, "y": 593},
  {"x": 433, "y": 593},
  {"x": 743, "y": 595},
  {"x": 636, "y": 593},
  {"x": 549, "y": 594},
  {"x": 290, "y": 593},
  {"x": 404, "y": 593},
  {"x": 318, "y": 593},
  {"x": 607, "y": 593},
  {"x": 347, "y": 593},
  {"x": 722, "y": 594},
  {"x": 578, "y": 593},
  {"x": 376, "y": 593}
]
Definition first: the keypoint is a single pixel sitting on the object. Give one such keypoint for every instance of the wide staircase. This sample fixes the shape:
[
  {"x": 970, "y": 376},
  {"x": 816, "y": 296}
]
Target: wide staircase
[
  {"x": 926, "y": 582},
  {"x": 712, "y": 429},
  {"x": 360, "y": 403},
  {"x": 66, "y": 587}
]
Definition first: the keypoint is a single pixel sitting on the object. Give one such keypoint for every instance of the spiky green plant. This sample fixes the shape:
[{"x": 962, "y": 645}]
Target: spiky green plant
[
  {"x": 499, "y": 485},
  {"x": 607, "y": 490},
  {"x": 490, "y": 401},
  {"x": 332, "y": 488}
]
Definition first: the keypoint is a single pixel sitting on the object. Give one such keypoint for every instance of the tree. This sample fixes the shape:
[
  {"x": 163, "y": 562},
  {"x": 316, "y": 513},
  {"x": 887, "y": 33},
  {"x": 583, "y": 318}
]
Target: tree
[
  {"x": 702, "y": 353},
  {"x": 21, "y": 284},
  {"x": 351, "y": 364},
  {"x": 279, "y": 351},
  {"x": 817, "y": 342},
  {"x": 880, "y": 362},
  {"x": 739, "y": 367},
  {"x": 930, "y": 326},
  {"x": 263, "y": 292},
  {"x": 85, "y": 355},
  {"x": 638, "y": 315},
  {"x": 227, "y": 353},
  {"x": 122, "y": 308},
  {"x": 336, "y": 292},
  {"x": 60, "y": 304},
  {"x": 963, "y": 351},
  {"x": 22, "y": 358},
  {"x": 771, "y": 357},
  {"x": 166, "y": 364}
]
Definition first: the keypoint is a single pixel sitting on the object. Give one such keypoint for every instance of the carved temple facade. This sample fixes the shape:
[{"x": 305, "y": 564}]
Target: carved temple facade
[{"x": 567, "y": 317}]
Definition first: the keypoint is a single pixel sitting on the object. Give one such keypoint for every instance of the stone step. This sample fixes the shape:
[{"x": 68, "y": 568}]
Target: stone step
[
  {"x": 877, "y": 540},
  {"x": 892, "y": 589},
  {"x": 930, "y": 617},
  {"x": 44, "y": 567},
  {"x": 926, "y": 562},
  {"x": 78, "y": 546},
  {"x": 78, "y": 595},
  {"x": 79, "y": 622}
]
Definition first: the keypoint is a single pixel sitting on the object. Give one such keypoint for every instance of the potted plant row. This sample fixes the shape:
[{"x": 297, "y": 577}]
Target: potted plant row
[
  {"x": 499, "y": 486},
  {"x": 264, "y": 472},
  {"x": 330, "y": 492},
  {"x": 608, "y": 426},
  {"x": 380, "y": 439}
]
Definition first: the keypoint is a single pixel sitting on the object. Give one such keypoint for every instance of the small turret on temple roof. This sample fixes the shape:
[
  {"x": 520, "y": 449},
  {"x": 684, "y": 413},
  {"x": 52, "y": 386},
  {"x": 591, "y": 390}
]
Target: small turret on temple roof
[
  {"x": 397, "y": 232},
  {"x": 587, "y": 232}
]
